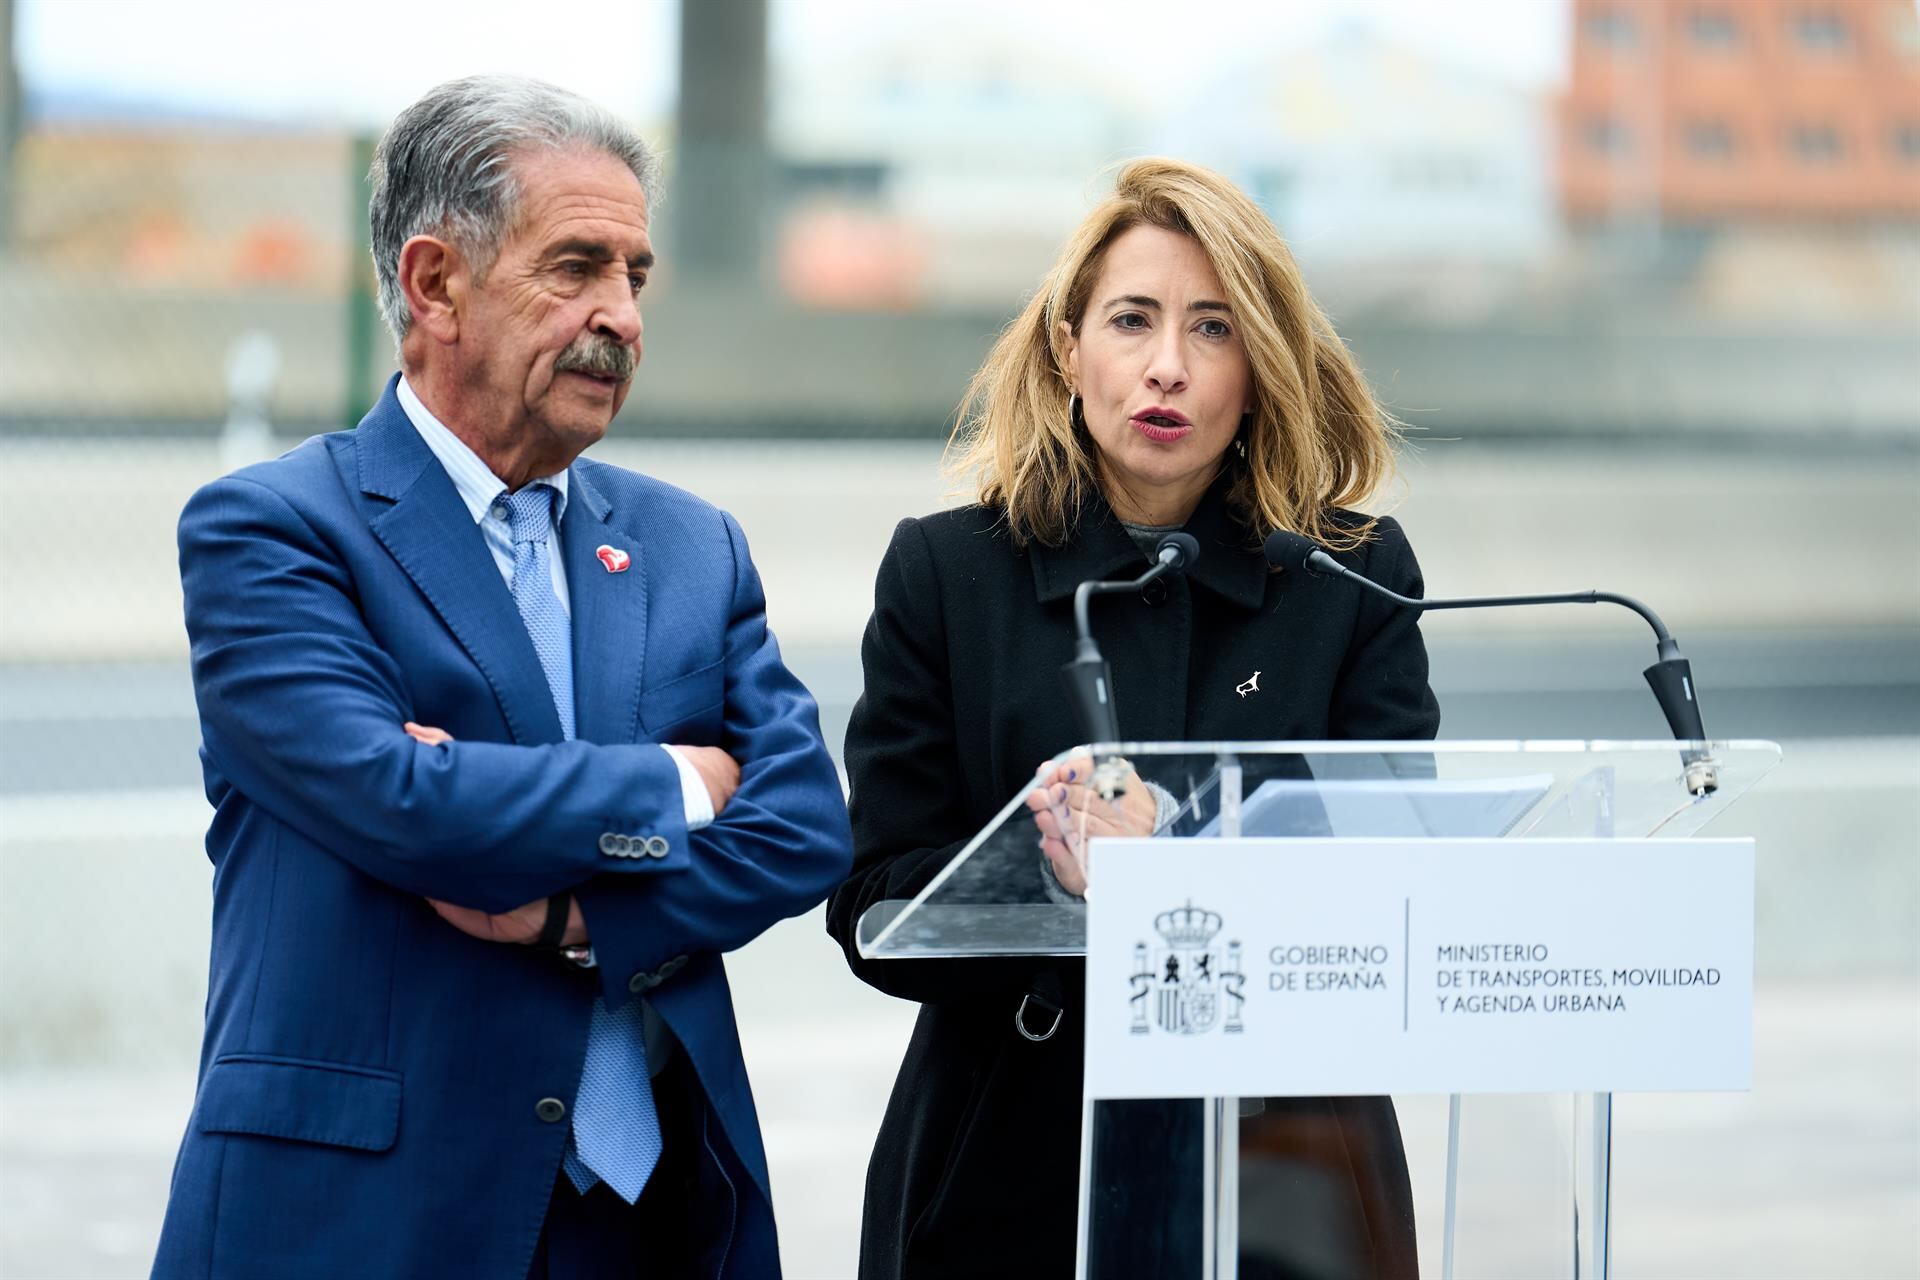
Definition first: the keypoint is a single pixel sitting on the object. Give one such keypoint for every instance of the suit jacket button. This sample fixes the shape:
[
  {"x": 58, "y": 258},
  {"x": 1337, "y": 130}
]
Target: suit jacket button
[
  {"x": 552, "y": 1110},
  {"x": 657, "y": 846},
  {"x": 625, "y": 849},
  {"x": 610, "y": 844},
  {"x": 642, "y": 981}
]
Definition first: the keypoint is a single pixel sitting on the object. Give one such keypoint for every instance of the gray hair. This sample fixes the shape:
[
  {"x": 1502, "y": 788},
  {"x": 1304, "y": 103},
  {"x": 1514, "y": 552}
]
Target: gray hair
[{"x": 445, "y": 167}]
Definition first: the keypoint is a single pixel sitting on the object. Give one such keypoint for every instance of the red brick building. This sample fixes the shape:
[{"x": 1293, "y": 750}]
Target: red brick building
[{"x": 1700, "y": 111}]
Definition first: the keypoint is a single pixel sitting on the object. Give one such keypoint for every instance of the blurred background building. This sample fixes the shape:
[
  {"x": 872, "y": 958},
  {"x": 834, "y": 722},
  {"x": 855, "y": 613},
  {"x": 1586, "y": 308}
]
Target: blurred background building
[
  {"x": 1699, "y": 115},
  {"x": 1642, "y": 276}
]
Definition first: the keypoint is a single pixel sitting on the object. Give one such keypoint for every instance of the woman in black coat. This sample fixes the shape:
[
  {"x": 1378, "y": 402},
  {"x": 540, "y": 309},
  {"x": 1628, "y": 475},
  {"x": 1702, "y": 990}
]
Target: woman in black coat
[{"x": 1171, "y": 373}]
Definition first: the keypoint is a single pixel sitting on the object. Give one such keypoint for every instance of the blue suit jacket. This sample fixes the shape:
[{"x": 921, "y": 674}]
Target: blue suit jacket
[{"x": 369, "y": 1075}]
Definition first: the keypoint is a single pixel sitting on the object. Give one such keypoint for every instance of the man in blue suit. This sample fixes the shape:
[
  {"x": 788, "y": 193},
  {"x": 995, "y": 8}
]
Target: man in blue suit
[{"x": 502, "y": 758}]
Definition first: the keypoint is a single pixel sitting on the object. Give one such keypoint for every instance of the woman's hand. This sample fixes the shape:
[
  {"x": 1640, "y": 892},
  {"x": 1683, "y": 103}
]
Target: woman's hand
[{"x": 1068, "y": 812}]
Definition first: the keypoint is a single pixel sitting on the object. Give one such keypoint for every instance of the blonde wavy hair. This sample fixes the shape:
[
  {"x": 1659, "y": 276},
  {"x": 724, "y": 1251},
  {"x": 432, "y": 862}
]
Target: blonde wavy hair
[{"x": 1316, "y": 439}]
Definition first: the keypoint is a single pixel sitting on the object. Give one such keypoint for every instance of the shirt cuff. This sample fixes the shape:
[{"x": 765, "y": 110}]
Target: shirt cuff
[{"x": 693, "y": 792}]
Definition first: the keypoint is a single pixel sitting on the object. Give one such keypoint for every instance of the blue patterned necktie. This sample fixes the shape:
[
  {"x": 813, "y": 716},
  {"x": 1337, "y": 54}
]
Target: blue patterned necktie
[{"x": 616, "y": 1131}]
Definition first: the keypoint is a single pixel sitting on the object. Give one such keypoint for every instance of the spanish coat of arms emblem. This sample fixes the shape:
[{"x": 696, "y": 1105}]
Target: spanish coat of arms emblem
[{"x": 1191, "y": 984}]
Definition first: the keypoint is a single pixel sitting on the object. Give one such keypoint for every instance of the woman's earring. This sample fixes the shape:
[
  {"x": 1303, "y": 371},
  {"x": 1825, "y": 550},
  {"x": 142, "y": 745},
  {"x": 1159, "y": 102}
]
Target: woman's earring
[
  {"x": 1073, "y": 409},
  {"x": 1240, "y": 436}
]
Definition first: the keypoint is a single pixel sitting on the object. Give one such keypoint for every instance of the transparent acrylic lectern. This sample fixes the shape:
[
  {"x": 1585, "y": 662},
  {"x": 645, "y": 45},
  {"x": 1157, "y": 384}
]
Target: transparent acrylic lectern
[{"x": 1184, "y": 1188}]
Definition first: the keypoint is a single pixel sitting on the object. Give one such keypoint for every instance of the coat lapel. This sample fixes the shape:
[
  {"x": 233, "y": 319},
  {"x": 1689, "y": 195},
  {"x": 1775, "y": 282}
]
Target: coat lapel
[
  {"x": 1150, "y": 649},
  {"x": 1101, "y": 548},
  {"x": 431, "y": 535},
  {"x": 609, "y": 614},
  {"x": 1231, "y": 563},
  {"x": 1098, "y": 549}
]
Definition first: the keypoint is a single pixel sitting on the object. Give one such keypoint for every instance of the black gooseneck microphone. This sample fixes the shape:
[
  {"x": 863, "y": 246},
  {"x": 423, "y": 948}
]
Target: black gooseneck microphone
[
  {"x": 1670, "y": 677},
  {"x": 1088, "y": 679}
]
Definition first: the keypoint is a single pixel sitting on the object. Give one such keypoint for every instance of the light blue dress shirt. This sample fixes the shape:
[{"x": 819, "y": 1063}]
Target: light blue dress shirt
[{"x": 483, "y": 493}]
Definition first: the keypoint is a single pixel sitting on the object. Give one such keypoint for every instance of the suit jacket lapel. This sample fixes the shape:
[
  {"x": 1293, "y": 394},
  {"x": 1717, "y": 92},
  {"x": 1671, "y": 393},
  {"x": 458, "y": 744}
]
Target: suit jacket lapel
[
  {"x": 431, "y": 535},
  {"x": 609, "y": 614}
]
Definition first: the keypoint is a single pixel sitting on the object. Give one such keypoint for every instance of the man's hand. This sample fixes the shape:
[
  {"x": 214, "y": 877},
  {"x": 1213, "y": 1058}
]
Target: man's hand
[
  {"x": 1068, "y": 812},
  {"x": 522, "y": 924},
  {"x": 720, "y": 771},
  {"x": 427, "y": 733}
]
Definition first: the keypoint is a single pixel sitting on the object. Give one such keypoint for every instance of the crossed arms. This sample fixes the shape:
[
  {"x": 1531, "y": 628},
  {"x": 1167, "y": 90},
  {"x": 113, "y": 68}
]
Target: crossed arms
[
  {"x": 719, "y": 773},
  {"x": 302, "y": 711}
]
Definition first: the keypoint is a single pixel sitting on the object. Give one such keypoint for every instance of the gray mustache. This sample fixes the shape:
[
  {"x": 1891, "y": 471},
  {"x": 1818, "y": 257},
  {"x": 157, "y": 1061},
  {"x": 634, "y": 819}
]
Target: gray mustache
[{"x": 598, "y": 355}]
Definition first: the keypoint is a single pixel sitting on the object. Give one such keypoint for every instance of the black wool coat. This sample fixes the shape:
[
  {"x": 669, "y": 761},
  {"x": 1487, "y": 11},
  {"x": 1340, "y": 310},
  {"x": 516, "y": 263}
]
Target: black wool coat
[{"x": 975, "y": 1169}]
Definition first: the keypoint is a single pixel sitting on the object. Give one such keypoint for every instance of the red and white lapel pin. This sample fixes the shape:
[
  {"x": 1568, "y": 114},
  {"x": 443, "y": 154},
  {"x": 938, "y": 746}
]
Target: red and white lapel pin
[{"x": 614, "y": 558}]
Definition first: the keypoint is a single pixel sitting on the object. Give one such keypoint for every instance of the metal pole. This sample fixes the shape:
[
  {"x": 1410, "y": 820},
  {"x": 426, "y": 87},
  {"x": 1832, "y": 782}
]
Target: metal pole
[
  {"x": 722, "y": 165},
  {"x": 1220, "y": 1255},
  {"x": 1602, "y": 1210},
  {"x": 1084, "y": 1215},
  {"x": 10, "y": 121},
  {"x": 1451, "y": 1215},
  {"x": 363, "y": 313}
]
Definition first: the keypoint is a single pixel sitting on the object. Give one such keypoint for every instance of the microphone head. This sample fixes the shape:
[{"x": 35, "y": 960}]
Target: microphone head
[
  {"x": 1289, "y": 550},
  {"x": 1185, "y": 546}
]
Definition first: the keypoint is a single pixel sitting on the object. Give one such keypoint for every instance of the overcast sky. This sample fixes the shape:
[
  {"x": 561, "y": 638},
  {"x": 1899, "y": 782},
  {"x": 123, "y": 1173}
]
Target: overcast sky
[{"x": 359, "y": 61}]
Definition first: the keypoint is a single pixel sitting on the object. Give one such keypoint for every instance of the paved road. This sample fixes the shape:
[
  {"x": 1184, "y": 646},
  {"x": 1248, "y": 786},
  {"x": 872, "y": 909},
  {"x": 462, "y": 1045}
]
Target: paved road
[{"x": 1814, "y": 1173}]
